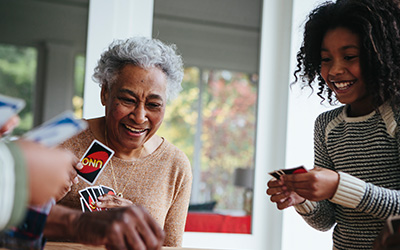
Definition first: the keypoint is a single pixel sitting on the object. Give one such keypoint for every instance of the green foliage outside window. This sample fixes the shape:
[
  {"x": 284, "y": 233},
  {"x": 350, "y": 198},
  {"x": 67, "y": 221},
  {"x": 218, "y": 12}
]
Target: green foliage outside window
[
  {"x": 179, "y": 126},
  {"x": 228, "y": 129},
  {"x": 79, "y": 80},
  {"x": 17, "y": 79}
]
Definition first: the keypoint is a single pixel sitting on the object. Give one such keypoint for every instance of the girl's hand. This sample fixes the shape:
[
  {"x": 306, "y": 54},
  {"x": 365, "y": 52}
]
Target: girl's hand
[
  {"x": 281, "y": 195},
  {"x": 112, "y": 201},
  {"x": 316, "y": 185}
]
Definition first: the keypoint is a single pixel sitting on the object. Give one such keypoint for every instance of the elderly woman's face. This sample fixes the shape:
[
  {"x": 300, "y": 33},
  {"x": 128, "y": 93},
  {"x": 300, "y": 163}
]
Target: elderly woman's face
[{"x": 135, "y": 106}]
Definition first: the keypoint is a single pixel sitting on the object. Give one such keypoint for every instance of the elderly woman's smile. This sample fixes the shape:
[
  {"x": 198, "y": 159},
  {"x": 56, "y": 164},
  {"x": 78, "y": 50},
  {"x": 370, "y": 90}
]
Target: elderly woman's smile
[{"x": 134, "y": 130}]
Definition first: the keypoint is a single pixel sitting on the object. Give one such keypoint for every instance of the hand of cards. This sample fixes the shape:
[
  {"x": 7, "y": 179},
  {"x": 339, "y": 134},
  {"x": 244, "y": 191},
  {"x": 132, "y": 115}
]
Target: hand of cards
[
  {"x": 297, "y": 170},
  {"x": 89, "y": 197}
]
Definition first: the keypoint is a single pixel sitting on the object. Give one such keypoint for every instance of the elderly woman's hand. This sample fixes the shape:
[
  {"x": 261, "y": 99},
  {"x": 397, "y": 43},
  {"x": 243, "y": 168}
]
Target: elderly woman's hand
[{"x": 112, "y": 201}]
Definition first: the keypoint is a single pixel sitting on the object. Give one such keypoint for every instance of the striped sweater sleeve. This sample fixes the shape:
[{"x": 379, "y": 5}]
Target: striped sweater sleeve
[{"x": 352, "y": 192}]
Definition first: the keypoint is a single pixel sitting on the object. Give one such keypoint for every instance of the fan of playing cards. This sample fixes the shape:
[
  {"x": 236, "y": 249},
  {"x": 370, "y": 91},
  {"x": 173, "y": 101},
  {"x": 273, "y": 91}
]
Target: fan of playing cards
[
  {"x": 89, "y": 197},
  {"x": 297, "y": 170}
]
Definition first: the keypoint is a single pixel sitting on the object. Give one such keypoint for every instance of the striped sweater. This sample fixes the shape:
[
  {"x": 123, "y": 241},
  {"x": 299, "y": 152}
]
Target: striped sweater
[{"x": 365, "y": 152}]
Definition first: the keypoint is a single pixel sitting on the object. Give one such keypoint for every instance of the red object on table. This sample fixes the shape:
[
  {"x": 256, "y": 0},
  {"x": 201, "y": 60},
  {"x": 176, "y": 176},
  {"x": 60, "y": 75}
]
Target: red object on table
[{"x": 217, "y": 223}]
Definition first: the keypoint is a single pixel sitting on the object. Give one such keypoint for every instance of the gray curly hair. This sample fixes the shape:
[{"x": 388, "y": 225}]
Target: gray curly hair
[{"x": 145, "y": 53}]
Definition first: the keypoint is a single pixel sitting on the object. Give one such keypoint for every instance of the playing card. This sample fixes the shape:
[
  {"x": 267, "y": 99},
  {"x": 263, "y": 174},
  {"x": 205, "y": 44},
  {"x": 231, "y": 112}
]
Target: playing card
[
  {"x": 94, "y": 161},
  {"x": 394, "y": 224},
  {"x": 96, "y": 192},
  {"x": 9, "y": 106},
  {"x": 277, "y": 174},
  {"x": 297, "y": 170},
  {"x": 56, "y": 130},
  {"x": 84, "y": 205},
  {"x": 93, "y": 196},
  {"x": 91, "y": 193},
  {"x": 107, "y": 190},
  {"x": 87, "y": 198}
]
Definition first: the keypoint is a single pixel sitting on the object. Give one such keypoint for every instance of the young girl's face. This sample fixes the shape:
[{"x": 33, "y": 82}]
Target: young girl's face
[{"x": 341, "y": 70}]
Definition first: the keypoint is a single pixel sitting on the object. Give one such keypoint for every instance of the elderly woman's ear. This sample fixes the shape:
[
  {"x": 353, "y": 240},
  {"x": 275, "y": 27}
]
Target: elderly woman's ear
[{"x": 104, "y": 94}]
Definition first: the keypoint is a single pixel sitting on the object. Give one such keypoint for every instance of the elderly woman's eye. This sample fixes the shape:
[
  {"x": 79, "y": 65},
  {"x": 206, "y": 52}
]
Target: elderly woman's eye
[
  {"x": 127, "y": 100},
  {"x": 348, "y": 58},
  {"x": 154, "y": 105}
]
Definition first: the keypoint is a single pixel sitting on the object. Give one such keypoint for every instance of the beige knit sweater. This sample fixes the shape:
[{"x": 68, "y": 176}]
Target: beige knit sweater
[{"x": 160, "y": 182}]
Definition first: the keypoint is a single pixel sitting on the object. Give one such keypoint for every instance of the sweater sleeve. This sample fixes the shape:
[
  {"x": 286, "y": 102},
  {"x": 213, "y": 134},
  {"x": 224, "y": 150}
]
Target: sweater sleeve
[
  {"x": 367, "y": 198},
  {"x": 176, "y": 216},
  {"x": 353, "y": 192},
  {"x": 320, "y": 215},
  {"x": 13, "y": 185}
]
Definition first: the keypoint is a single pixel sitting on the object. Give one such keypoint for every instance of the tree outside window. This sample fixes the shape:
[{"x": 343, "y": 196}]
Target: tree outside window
[{"x": 216, "y": 110}]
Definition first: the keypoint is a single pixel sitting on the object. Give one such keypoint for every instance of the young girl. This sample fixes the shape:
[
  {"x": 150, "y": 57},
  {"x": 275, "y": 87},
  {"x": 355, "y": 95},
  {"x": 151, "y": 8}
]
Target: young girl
[{"x": 352, "y": 49}]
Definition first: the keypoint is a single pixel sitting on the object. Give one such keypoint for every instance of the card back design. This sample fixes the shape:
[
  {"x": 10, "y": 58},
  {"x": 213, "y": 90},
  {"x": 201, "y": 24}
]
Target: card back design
[
  {"x": 88, "y": 200},
  {"x": 57, "y": 130},
  {"x": 297, "y": 170},
  {"x": 107, "y": 190},
  {"x": 84, "y": 205},
  {"x": 94, "y": 161}
]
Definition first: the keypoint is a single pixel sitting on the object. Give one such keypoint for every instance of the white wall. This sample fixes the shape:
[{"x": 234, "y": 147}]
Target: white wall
[
  {"x": 109, "y": 20},
  {"x": 302, "y": 111},
  {"x": 223, "y": 34}
]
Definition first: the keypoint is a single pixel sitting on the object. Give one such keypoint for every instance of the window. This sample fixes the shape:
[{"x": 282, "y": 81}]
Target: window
[
  {"x": 17, "y": 78},
  {"x": 213, "y": 121}
]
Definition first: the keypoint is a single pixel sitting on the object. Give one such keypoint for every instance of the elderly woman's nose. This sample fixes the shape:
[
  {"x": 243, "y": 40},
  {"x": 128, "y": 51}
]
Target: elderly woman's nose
[{"x": 139, "y": 114}]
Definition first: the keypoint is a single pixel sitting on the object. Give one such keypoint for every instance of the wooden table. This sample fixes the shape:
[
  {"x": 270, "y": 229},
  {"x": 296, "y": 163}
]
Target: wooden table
[{"x": 76, "y": 246}]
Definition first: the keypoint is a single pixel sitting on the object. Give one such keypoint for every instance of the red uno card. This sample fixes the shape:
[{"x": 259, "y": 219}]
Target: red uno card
[
  {"x": 297, "y": 170},
  {"x": 107, "y": 190},
  {"x": 88, "y": 200},
  {"x": 94, "y": 161}
]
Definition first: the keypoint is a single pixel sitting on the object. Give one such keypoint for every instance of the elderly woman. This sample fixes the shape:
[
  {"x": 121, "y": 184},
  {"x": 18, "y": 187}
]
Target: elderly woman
[{"x": 137, "y": 77}]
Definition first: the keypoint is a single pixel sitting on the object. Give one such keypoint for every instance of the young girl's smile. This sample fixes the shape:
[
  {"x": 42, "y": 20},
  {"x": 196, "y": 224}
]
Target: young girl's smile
[{"x": 341, "y": 70}]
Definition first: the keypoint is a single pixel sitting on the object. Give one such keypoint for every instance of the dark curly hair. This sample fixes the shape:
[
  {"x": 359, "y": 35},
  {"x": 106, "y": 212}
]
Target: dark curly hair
[{"x": 377, "y": 23}]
